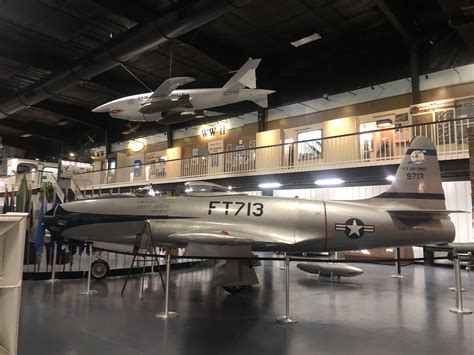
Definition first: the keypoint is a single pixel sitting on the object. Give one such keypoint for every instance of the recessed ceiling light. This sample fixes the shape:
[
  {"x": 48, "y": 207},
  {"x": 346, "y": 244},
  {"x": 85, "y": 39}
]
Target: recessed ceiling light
[
  {"x": 269, "y": 185},
  {"x": 26, "y": 135},
  {"x": 306, "y": 40},
  {"x": 71, "y": 154},
  {"x": 62, "y": 123},
  {"x": 326, "y": 182}
]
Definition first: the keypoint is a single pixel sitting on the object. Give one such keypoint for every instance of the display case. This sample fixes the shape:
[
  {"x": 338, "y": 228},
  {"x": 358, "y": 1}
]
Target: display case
[{"x": 12, "y": 245}]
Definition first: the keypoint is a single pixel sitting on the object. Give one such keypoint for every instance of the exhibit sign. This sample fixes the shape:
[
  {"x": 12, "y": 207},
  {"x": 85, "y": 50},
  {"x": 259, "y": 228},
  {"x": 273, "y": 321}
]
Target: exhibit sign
[{"x": 219, "y": 129}]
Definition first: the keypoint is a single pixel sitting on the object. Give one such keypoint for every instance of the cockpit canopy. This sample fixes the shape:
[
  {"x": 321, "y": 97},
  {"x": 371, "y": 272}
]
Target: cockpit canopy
[
  {"x": 144, "y": 191},
  {"x": 203, "y": 188}
]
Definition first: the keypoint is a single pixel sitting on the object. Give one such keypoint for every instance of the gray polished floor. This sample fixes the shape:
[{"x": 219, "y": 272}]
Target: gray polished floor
[{"x": 369, "y": 314}]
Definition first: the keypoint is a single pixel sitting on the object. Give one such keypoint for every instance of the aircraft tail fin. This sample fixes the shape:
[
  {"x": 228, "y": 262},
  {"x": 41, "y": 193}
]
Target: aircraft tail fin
[
  {"x": 245, "y": 77},
  {"x": 418, "y": 177}
]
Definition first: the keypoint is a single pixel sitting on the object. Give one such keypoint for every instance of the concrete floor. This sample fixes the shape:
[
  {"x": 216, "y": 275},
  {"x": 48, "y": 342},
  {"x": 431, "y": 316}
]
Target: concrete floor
[{"x": 369, "y": 314}]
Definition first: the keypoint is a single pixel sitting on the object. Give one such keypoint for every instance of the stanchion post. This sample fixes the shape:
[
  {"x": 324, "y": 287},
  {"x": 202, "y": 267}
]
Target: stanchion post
[
  {"x": 167, "y": 313},
  {"x": 459, "y": 309},
  {"x": 89, "y": 272},
  {"x": 53, "y": 270},
  {"x": 398, "y": 265},
  {"x": 286, "y": 319},
  {"x": 455, "y": 255},
  {"x": 283, "y": 266}
]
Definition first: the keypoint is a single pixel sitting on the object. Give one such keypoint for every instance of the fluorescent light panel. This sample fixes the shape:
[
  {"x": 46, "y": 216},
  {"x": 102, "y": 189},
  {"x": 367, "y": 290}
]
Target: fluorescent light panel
[
  {"x": 269, "y": 185},
  {"x": 306, "y": 40},
  {"x": 326, "y": 182},
  {"x": 390, "y": 178}
]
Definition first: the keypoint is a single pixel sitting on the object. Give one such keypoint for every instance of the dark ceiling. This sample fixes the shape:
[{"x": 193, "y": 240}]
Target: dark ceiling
[{"x": 363, "y": 43}]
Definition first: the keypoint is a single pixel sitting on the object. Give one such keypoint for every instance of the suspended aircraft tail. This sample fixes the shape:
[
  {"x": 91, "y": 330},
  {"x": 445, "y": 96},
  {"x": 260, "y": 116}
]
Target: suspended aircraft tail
[
  {"x": 418, "y": 179},
  {"x": 245, "y": 77}
]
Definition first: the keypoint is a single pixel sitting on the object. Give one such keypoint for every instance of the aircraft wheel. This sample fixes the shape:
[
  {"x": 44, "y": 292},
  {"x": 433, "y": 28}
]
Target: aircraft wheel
[
  {"x": 99, "y": 269},
  {"x": 234, "y": 289}
]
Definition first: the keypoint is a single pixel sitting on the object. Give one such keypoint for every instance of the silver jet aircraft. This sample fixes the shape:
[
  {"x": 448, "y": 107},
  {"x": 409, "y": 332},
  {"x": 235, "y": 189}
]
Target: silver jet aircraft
[
  {"x": 209, "y": 220},
  {"x": 168, "y": 105}
]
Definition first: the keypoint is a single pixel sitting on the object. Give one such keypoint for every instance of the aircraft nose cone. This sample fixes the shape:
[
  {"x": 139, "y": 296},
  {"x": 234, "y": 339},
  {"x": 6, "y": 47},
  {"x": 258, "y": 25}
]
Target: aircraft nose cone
[{"x": 101, "y": 108}]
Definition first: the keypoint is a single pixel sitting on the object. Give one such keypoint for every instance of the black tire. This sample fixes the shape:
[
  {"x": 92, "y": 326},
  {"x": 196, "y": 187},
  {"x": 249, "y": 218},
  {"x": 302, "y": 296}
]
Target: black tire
[
  {"x": 99, "y": 269},
  {"x": 234, "y": 289}
]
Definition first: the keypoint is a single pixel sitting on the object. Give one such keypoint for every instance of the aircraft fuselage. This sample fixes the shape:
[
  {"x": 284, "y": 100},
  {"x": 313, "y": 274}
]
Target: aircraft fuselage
[
  {"x": 141, "y": 108},
  {"x": 266, "y": 223}
]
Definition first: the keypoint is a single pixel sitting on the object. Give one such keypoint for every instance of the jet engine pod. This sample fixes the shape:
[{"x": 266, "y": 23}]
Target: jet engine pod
[
  {"x": 157, "y": 105},
  {"x": 177, "y": 117}
]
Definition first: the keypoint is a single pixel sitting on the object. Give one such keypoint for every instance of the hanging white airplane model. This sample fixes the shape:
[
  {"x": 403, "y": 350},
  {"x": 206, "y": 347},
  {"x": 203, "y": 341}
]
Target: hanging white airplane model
[{"x": 168, "y": 105}]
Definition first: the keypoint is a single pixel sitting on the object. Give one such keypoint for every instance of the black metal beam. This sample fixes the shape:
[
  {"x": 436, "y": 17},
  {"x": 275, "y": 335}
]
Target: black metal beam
[
  {"x": 32, "y": 56},
  {"x": 74, "y": 113},
  {"x": 262, "y": 115},
  {"x": 32, "y": 128},
  {"x": 415, "y": 75},
  {"x": 385, "y": 9},
  {"x": 169, "y": 137}
]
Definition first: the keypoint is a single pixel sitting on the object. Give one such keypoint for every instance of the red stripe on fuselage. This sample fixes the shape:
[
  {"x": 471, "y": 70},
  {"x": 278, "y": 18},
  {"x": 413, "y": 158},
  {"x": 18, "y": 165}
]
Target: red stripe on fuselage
[{"x": 325, "y": 225}]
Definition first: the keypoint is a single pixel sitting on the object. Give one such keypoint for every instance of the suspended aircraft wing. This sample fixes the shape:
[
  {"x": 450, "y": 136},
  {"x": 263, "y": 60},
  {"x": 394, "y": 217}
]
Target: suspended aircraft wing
[{"x": 169, "y": 85}]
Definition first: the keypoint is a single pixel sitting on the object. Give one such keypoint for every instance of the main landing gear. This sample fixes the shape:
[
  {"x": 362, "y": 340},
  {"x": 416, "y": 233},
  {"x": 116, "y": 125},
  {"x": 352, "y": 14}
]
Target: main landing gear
[{"x": 99, "y": 269}]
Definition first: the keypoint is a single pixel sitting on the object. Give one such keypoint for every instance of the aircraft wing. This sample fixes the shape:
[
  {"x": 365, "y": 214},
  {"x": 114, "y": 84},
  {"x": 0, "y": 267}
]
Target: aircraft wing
[
  {"x": 220, "y": 237},
  {"x": 169, "y": 85}
]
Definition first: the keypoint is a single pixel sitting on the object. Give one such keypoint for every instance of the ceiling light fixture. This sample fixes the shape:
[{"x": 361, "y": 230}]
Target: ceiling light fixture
[
  {"x": 390, "y": 178},
  {"x": 26, "y": 135},
  {"x": 306, "y": 40},
  {"x": 327, "y": 182},
  {"x": 270, "y": 185},
  {"x": 136, "y": 146}
]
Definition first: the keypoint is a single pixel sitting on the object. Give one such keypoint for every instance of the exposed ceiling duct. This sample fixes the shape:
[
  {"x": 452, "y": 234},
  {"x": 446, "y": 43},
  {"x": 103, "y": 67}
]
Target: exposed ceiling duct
[
  {"x": 461, "y": 17},
  {"x": 137, "y": 40}
]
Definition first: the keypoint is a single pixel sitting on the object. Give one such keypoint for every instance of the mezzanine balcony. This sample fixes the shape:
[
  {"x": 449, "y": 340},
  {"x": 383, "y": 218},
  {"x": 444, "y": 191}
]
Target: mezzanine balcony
[{"x": 362, "y": 149}]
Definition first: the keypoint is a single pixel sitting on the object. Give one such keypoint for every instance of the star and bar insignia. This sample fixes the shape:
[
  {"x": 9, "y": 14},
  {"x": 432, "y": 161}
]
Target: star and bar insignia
[{"x": 354, "y": 228}]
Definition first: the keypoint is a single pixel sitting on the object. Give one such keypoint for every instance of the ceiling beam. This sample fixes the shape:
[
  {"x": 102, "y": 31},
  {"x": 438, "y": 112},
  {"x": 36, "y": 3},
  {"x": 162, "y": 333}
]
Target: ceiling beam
[
  {"x": 73, "y": 113},
  {"x": 385, "y": 9},
  {"x": 32, "y": 128}
]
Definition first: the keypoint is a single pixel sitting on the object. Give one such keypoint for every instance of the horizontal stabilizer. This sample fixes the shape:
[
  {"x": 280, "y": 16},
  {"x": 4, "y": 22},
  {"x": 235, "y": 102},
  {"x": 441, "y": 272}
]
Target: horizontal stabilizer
[
  {"x": 417, "y": 214},
  {"x": 169, "y": 85}
]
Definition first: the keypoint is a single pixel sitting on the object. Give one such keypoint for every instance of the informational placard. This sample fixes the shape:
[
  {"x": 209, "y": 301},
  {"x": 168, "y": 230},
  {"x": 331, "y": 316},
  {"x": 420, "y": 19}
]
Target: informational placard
[
  {"x": 432, "y": 106},
  {"x": 465, "y": 107},
  {"x": 68, "y": 168},
  {"x": 214, "y": 148}
]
